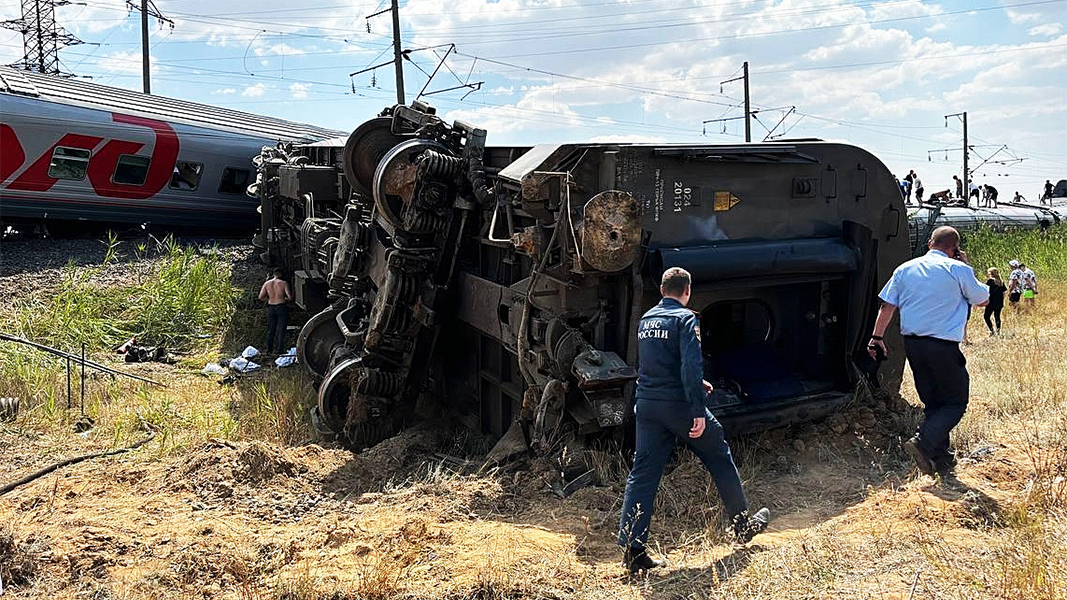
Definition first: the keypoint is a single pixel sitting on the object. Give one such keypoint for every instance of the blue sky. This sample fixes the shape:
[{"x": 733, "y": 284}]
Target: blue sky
[{"x": 881, "y": 75}]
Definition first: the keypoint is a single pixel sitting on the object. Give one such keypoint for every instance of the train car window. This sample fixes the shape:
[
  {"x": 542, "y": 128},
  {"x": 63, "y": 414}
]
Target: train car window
[
  {"x": 186, "y": 175},
  {"x": 131, "y": 169},
  {"x": 234, "y": 181},
  {"x": 68, "y": 163}
]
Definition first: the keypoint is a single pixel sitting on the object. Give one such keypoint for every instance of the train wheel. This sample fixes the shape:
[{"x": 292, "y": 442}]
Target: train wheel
[
  {"x": 394, "y": 179},
  {"x": 365, "y": 149},
  {"x": 335, "y": 394},
  {"x": 318, "y": 339},
  {"x": 384, "y": 419}
]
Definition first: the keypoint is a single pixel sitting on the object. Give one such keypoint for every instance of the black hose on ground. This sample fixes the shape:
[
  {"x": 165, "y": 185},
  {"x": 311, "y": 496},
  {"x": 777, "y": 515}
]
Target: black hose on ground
[{"x": 70, "y": 461}]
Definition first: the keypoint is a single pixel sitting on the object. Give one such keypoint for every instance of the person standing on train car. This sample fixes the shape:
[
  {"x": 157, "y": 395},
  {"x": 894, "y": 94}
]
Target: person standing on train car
[
  {"x": 670, "y": 407},
  {"x": 910, "y": 178},
  {"x": 990, "y": 196},
  {"x": 918, "y": 185},
  {"x": 276, "y": 293},
  {"x": 933, "y": 293},
  {"x": 959, "y": 186}
]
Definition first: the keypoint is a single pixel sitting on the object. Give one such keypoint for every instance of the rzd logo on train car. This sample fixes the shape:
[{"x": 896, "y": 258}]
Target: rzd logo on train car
[{"x": 104, "y": 166}]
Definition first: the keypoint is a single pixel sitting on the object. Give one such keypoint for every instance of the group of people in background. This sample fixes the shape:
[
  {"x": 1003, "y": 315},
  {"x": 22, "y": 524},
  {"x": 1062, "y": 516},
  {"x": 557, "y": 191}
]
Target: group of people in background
[
  {"x": 1020, "y": 288},
  {"x": 911, "y": 183},
  {"x": 984, "y": 195}
]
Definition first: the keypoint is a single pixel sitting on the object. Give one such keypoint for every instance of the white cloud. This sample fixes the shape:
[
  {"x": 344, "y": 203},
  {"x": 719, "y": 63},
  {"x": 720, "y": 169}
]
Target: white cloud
[
  {"x": 1047, "y": 30},
  {"x": 1019, "y": 18},
  {"x": 276, "y": 50},
  {"x": 907, "y": 8},
  {"x": 254, "y": 91},
  {"x": 299, "y": 90},
  {"x": 225, "y": 92},
  {"x": 122, "y": 62}
]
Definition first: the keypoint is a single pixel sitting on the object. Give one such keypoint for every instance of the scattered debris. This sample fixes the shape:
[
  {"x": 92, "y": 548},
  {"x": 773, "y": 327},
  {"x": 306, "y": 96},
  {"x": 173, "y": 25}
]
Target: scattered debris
[
  {"x": 84, "y": 424},
  {"x": 242, "y": 365},
  {"x": 286, "y": 359},
  {"x": 140, "y": 354},
  {"x": 214, "y": 369},
  {"x": 983, "y": 452}
]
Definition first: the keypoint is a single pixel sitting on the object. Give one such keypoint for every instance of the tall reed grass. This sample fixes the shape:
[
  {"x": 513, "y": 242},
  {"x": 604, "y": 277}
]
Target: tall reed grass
[
  {"x": 1042, "y": 250},
  {"x": 185, "y": 296},
  {"x": 183, "y": 300}
]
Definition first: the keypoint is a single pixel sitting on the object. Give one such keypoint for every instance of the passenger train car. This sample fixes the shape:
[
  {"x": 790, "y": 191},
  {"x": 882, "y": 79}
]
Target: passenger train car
[
  {"x": 73, "y": 151},
  {"x": 1005, "y": 216},
  {"x": 505, "y": 283}
]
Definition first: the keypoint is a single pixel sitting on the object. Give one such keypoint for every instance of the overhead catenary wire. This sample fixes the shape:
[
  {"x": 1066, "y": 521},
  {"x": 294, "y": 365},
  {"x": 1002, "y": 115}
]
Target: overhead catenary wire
[{"x": 871, "y": 127}]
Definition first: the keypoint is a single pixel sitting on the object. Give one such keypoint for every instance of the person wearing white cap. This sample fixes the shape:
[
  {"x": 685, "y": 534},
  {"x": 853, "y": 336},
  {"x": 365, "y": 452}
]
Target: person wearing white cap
[
  {"x": 1028, "y": 284},
  {"x": 1015, "y": 290}
]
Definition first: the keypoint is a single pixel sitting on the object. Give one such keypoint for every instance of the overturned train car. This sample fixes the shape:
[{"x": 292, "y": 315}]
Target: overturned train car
[{"x": 506, "y": 282}]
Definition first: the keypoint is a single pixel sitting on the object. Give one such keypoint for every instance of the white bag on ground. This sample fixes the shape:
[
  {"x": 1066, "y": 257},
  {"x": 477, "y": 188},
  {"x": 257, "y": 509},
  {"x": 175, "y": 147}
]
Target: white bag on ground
[
  {"x": 286, "y": 359},
  {"x": 213, "y": 369},
  {"x": 249, "y": 352}
]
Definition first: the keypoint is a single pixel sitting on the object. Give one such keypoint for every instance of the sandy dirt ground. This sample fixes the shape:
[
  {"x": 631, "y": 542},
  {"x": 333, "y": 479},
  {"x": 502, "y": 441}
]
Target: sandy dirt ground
[{"x": 249, "y": 519}]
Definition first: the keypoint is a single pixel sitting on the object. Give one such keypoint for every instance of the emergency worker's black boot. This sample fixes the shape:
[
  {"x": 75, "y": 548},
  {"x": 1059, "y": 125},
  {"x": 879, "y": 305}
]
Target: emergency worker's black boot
[
  {"x": 926, "y": 466},
  {"x": 747, "y": 527},
  {"x": 637, "y": 559}
]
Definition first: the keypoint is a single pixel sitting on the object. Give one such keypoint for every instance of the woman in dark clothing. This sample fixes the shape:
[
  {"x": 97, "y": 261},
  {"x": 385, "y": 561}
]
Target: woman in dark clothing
[{"x": 996, "y": 299}]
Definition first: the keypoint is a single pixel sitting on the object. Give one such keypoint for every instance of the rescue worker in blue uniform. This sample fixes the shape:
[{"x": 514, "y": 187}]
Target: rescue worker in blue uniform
[{"x": 670, "y": 406}]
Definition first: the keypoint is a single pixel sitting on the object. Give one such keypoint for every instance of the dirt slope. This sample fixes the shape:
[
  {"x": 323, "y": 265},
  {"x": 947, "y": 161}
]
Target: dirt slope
[{"x": 251, "y": 520}]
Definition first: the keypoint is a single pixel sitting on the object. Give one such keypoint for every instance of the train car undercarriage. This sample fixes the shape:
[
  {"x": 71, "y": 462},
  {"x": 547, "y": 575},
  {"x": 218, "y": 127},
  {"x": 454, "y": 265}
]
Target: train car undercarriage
[{"x": 505, "y": 282}]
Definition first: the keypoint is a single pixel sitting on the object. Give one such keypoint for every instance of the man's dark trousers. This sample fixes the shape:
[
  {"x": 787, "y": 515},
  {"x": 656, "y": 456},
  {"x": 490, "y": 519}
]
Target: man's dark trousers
[
  {"x": 277, "y": 320},
  {"x": 659, "y": 425},
  {"x": 943, "y": 384}
]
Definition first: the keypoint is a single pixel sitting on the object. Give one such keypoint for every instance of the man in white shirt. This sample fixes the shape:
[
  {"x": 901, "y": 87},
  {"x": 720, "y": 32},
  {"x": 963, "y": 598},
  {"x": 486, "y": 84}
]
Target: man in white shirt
[{"x": 933, "y": 293}]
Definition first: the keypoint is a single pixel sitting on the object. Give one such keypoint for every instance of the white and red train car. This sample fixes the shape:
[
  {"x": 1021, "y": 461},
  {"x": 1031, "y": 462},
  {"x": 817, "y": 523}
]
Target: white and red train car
[{"x": 73, "y": 151}]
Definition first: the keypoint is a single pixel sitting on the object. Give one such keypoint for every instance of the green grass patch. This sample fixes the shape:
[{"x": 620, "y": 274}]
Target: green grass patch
[
  {"x": 1043, "y": 250},
  {"x": 182, "y": 300},
  {"x": 185, "y": 298}
]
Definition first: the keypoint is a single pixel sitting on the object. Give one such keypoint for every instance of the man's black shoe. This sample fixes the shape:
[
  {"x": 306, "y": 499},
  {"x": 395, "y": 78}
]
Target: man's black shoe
[
  {"x": 747, "y": 527},
  {"x": 921, "y": 460},
  {"x": 945, "y": 464},
  {"x": 637, "y": 559}
]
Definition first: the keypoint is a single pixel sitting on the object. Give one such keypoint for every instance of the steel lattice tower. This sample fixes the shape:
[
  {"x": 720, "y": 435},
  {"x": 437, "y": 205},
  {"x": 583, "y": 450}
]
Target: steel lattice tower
[{"x": 41, "y": 37}]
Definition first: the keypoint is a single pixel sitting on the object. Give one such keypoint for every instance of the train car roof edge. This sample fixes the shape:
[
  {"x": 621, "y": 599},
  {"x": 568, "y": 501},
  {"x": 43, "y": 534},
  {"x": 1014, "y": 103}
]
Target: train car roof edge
[{"x": 93, "y": 95}]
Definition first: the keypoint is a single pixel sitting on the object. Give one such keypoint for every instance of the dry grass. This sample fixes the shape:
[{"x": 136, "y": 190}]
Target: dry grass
[{"x": 239, "y": 518}]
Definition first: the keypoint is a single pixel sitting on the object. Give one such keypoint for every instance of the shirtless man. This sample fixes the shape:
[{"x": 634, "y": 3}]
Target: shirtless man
[{"x": 275, "y": 292}]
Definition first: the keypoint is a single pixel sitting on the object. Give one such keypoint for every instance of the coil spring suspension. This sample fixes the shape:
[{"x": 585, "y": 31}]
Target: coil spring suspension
[
  {"x": 432, "y": 162},
  {"x": 379, "y": 383},
  {"x": 422, "y": 221}
]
